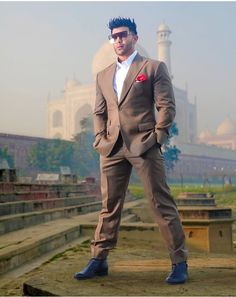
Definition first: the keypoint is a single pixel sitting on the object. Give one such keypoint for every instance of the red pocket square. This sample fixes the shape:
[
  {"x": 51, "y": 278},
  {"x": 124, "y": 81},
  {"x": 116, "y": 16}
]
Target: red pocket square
[{"x": 141, "y": 77}]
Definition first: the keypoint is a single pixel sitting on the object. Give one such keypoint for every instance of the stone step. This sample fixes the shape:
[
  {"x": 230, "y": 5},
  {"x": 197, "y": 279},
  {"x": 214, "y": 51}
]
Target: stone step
[
  {"x": 37, "y": 195},
  {"x": 126, "y": 212},
  {"x": 22, "y": 246},
  {"x": 10, "y": 276},
  {"x": 12, "y": 208},
  {"x": 24, "y": 187},
  {"x": 195, "y": 201},
  {"x": 195, "y": 195},
  {"x": 129, "y": 218},
  {"x": 207, "y": 213},
  {"x": 15, "y": 222},
  {"x": 22, "y": 196}
]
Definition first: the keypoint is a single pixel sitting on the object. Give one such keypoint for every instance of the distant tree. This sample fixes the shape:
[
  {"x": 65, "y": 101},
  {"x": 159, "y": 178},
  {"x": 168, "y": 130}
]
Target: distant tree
[
  {"x": 50, "y": 155},
  {"x": 4, "y": 155},
  {"x": 85, "y": 155},
  {"x": 171, "y": 152},
  {"x": 86, "y": 124}
]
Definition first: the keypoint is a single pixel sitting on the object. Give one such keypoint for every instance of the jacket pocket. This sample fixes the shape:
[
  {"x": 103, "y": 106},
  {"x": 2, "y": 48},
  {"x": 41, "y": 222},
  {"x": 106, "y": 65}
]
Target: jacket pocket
[
  {"x": 146, "y": 126},
  {"x": 97, "y": 141},
  {"x": 138, "y": 88}
]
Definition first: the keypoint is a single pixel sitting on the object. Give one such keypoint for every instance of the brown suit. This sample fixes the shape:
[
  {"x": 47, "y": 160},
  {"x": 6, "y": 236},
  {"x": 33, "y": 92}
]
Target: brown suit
[{"x": 127, "y": 134}]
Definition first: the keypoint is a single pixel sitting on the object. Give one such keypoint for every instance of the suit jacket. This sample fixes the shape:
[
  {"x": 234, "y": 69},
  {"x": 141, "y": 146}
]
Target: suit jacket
[{"x": 134, "y": 115}]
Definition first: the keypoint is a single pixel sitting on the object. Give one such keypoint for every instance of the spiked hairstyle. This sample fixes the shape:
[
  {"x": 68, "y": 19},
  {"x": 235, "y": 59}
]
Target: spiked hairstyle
[{"x": 123, "y": 22}]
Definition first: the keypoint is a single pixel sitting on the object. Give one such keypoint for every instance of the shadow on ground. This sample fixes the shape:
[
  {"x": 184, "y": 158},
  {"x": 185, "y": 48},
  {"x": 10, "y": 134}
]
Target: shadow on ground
[{"x": 137, "y": 267}]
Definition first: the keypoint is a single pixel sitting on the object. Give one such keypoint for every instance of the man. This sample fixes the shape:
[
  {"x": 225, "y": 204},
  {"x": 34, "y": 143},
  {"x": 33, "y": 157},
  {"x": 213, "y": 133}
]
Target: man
[{"x": 128, "y": 135}]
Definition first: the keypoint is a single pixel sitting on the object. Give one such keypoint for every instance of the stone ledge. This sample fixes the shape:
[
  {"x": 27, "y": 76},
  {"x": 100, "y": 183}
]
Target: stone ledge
[{"x": 138, "y": 267}]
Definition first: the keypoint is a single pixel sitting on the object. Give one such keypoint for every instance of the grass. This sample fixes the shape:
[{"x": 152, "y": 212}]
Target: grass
[
  {"x": 136, "y": 190},
  {"x": 224, "y": 196},
  {"x": 229, "y": 193}
]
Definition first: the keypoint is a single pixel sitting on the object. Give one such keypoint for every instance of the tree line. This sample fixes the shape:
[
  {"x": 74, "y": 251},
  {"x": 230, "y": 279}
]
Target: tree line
[{"x": 78, "y": 154}]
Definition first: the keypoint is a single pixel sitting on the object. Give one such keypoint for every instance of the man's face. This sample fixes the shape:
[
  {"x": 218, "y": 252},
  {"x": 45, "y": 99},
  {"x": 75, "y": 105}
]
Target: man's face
[{"x": 124, "y": 41}]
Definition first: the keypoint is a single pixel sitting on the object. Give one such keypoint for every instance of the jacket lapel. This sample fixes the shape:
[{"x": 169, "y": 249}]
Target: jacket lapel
[
  {"x": 134, "y": 69},
  {"x": 109, "y": 79}
]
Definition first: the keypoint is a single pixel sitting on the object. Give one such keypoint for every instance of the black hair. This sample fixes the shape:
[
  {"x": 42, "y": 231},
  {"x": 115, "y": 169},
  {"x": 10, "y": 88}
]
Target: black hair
[{"x": 123, "y": 22}]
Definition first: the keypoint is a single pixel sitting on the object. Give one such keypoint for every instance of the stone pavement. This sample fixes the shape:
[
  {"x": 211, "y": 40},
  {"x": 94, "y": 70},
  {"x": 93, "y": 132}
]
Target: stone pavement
[{"x": 138, "y": 267}]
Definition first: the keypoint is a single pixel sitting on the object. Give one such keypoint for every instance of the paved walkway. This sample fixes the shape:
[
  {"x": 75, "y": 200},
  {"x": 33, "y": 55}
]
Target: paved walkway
[{"x": 138, "y": 267}]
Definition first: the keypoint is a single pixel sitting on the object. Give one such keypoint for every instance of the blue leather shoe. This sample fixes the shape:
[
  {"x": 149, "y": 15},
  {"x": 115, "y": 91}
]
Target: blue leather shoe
[
  {"x": 95, "y": 267},
  {"x": 179, "y": 274}
]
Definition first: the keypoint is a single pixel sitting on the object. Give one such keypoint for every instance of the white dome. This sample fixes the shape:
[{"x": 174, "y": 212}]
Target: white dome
[
  {"x": 106, "y": 56},
  {"x": 163, "y": 27},
  {"x": 71, "y": 83},
  {"x": 226, "y": 127}
]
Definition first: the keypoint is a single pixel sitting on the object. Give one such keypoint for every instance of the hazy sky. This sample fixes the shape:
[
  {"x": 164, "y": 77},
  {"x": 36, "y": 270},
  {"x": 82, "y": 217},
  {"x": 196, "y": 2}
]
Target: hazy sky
[{"x": 44, "y": 43}]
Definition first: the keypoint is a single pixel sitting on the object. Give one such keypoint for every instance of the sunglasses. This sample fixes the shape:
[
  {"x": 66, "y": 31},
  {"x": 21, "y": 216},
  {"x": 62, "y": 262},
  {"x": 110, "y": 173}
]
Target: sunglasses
[{"x": 123, "y": 34}]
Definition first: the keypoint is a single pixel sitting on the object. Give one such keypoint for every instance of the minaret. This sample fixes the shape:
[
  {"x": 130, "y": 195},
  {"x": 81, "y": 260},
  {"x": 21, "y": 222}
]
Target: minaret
[{"x": 163, "y": 45}]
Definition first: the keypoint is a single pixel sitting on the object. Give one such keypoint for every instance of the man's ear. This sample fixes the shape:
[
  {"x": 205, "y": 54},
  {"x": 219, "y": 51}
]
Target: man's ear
[{"x": 136, "y": 38}]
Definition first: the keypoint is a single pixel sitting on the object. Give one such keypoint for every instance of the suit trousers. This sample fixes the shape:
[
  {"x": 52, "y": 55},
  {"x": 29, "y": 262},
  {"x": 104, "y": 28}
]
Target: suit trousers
[{"x": 115, "y": 173}]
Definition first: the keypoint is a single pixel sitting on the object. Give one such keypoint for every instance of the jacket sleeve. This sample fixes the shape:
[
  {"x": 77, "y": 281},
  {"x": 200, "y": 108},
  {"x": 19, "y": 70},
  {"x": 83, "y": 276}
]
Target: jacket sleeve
[
  {"x": 164, "y": 101},
  {"x": 100, "y": 112}
]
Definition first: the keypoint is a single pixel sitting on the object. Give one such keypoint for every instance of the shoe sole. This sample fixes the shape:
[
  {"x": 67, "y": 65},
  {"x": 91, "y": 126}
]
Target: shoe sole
[
  {"x": 105, "y": 273},
  {"x": 177, "y": 283}
]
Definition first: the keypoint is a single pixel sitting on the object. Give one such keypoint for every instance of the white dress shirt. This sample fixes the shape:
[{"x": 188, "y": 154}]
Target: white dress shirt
[{"x": 120, "y": 74}]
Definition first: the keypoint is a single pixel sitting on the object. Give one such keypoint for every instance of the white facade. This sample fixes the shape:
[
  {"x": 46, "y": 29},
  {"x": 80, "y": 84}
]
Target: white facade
[
  {"x": 65, "y": 114},
  {"x": 186, "y": 117}
]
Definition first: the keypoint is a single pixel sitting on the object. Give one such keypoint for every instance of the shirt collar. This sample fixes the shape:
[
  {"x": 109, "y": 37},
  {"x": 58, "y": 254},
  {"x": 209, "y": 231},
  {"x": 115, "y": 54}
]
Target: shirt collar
[{"x": 128, "y": 61}]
